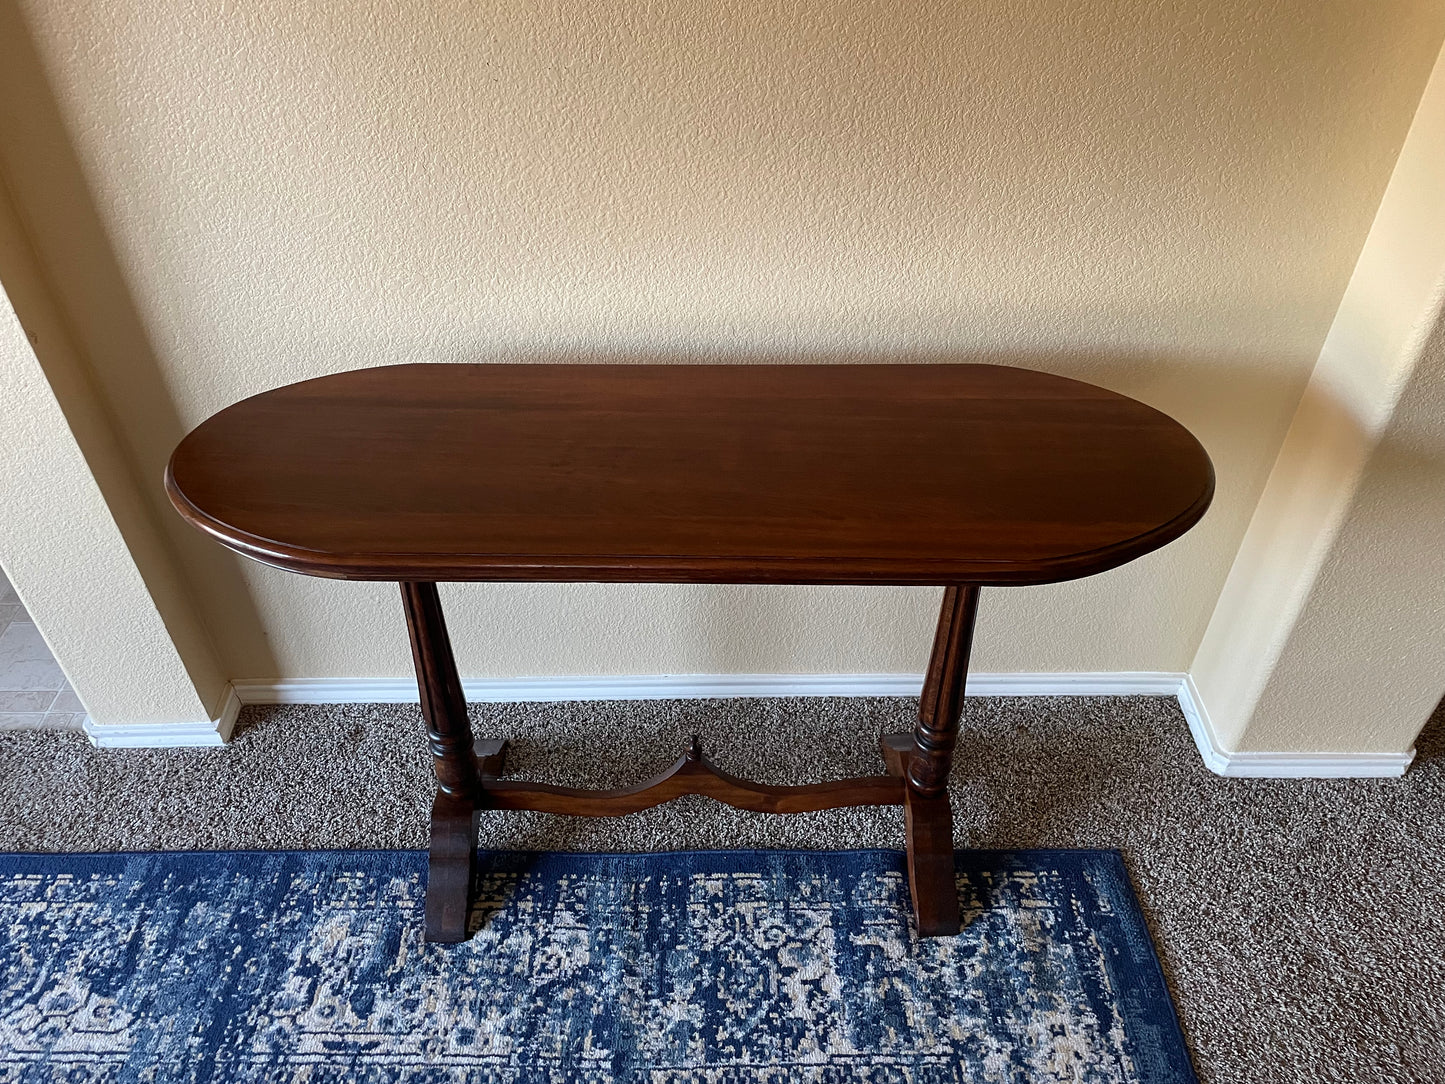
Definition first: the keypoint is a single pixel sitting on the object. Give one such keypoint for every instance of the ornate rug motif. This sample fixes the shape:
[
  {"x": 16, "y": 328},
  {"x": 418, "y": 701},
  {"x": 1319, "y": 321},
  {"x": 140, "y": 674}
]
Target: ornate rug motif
[{"x": 716, "y": 967}]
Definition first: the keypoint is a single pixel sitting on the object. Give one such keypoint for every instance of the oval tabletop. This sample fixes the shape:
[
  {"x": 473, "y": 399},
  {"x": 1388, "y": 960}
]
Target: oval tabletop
[{"x": 890, "y": 474}]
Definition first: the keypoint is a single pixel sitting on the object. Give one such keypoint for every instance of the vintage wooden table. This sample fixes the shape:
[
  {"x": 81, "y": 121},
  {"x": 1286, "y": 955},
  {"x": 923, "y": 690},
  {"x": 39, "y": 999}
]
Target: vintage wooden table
[{"x": 960, "y": 476}]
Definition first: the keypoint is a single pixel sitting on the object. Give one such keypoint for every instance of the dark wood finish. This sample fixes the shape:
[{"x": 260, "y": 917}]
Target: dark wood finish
[
  {"x": 452, "y": 857},
  {"x": 964, "y": 475},
  {"x": 928, "y": 818},
  {"x": 442, "y": 704},
  {"x": 451, "y": 868},
  {"x": 937, "y": 730},
  {"x": 928, "y": 828},
  {"x": 694, "y": 774},
  {"x": 853, "y": 474}
]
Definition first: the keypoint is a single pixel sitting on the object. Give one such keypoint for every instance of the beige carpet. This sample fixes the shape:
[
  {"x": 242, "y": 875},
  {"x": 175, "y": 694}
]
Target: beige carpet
[{"x": 1302, "y": 924}]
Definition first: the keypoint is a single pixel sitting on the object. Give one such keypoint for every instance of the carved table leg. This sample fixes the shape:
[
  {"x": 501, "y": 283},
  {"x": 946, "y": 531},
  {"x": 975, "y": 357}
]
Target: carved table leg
[
  {"x": 452, "y": 859},
  {"x": 924, "y": 758}
]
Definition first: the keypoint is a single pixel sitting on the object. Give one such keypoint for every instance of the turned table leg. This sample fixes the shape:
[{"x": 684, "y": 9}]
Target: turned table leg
[
  {"x": 924, "y": 758},
  {"x": 453, "y": 853}
]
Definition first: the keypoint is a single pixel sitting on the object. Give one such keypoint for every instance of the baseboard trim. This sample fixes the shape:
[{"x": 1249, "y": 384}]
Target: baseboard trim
[
  {"x": 1280, "y": 765},
  {"x": 1258, "y": 765},
  {"x": 230, "y": 708},
  {"x": 153, "y": 735},
  {"x": 174, "y": 735},
  {"x": 553, "y": 689},
  {"x": 699, "y": 686}
]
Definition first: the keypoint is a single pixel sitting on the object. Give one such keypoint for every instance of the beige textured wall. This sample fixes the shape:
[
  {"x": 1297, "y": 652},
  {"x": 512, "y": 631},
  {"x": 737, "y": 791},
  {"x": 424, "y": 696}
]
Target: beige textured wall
[
  {"x": 1167, "y": 200},
  {"x": 1329, "y": 635},
  {"x": 74, "y": 538},
  {"x": 1365, "y": 664}
]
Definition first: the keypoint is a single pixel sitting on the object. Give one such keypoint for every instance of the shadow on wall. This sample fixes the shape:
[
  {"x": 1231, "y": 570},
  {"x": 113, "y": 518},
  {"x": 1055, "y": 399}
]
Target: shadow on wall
[
  {"x": 1369, "y": 648},
  {"x": 109, "y": 355}
]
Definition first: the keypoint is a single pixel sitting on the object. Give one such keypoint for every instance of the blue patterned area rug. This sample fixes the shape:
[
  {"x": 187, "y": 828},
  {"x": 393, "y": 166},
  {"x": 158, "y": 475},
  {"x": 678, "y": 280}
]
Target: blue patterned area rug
[{"x": 713, "y": 967}]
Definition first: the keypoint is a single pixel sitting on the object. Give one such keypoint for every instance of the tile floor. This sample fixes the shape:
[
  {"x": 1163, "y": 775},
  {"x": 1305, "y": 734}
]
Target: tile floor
[{"x": 33, "y": 689}]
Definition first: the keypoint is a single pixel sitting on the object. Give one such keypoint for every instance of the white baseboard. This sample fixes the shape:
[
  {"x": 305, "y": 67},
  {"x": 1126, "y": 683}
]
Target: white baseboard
[
  {"x": 551, "y": 689},
  {"x": 699, "y": 686},
  {"x": 172, "y": 735},
  {"x": 230, "y": 709},
  {"x": 1112, "y": 683},
  {"x": 152, "y": 735},
  {"x": 1281, "y": 765}
]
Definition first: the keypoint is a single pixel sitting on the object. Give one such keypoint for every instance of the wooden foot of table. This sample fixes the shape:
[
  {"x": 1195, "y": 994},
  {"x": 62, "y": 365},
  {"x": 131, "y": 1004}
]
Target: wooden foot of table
[
  {"x": 451, "y": 865},
  {"x": 929, "y": 826},
  {"x": 452, "y": 858}
]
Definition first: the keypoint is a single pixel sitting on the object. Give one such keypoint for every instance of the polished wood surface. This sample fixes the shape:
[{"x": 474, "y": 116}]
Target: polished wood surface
[
  {"x": 451, "y": 867},
  {"x": 443, "y": 705},
  {"x": 924, "y": 762},
  {"x": 896, "y": 474},
  {"x": 937, "y": 730},
  {"x": 951, "y": 475},
  {"x": 692, "y": 773},
  {"x": 932, "y": 883}
]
